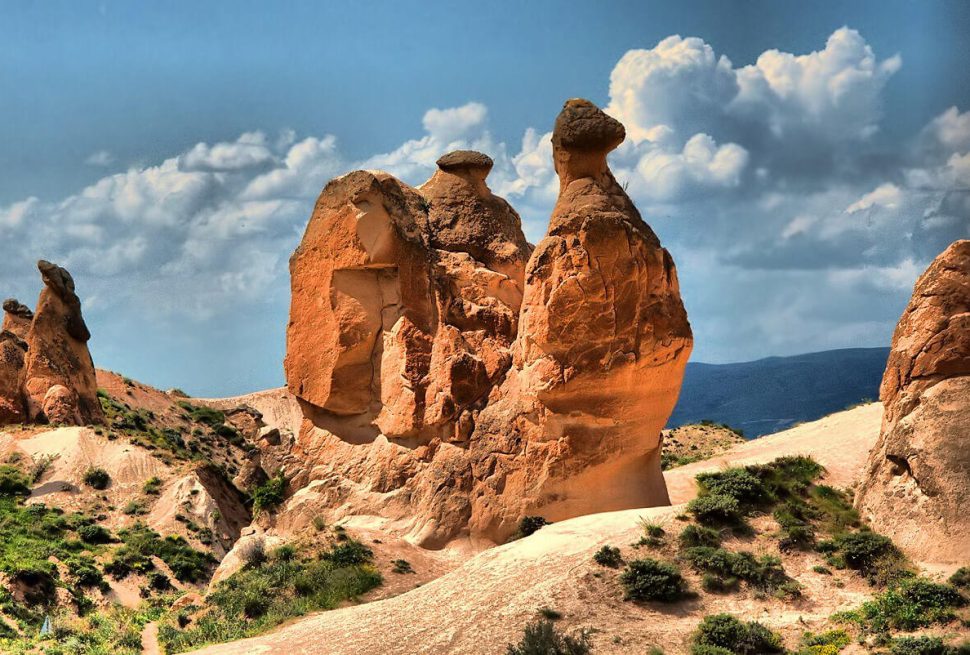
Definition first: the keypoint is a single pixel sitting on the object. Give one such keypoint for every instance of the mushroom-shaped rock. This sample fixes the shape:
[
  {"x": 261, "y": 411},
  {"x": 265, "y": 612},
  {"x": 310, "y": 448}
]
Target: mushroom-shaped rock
[
  {"x": 16, "y": 317},
  {"x": 603, "y": 334},
  {"x": 58, "y": 354},
  {"x": 916, "y": 487}
]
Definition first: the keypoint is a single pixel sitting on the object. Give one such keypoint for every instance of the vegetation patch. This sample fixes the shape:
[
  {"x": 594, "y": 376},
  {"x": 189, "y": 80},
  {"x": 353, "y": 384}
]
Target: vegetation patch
[
  {"x": 608, "y": 556},
  {"x": 723, "y": 634},
  {"x": 725, "y": 568},
  {"x": 264, "y": 595},
  {"x": 908, "y": 605},
  {"x": 270, "y": 494},
  {"x": 141, "y": 543},
  {"x": 649, "y": 579},
  {"x": 542, "y": 638},
  {"x": 826, "y": 643},
  {"x": 530, "y": 525}
]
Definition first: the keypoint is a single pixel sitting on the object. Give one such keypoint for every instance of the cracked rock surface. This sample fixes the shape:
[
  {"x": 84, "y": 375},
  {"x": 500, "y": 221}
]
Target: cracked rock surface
[{"x": 917, "y": 483}]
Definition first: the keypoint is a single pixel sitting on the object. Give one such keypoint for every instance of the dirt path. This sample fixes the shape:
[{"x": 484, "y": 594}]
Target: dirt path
[
  {"x": 483, "y": 605},
  {"x": 149, "y": 639}
]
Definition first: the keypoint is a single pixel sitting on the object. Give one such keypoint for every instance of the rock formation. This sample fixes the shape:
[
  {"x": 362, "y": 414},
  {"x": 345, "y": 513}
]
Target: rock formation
[
  {"x": 452, "y": 380},
  {"x": 16, "y": 317},
  {"x": 46, "y": 372},
  {"x": 917, "y": 483}
]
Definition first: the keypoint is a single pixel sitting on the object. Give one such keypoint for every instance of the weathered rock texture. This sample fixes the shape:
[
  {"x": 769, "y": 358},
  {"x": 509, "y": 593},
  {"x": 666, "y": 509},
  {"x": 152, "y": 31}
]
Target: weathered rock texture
[
  {"x": 452, "y": 380},
  {"x": 16, "y": 317},
  {"x": 46, "y": 372},
  {"x": 917, "y": 484}
]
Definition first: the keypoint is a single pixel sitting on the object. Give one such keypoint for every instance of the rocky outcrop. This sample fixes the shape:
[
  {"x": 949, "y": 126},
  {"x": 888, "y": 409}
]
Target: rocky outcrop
[
  {"x": 13, "y": 409},
  {"x": 917, "y": 483},
  {"x": 16, "y": 317},
  {"x": 46, "y": 372},
  {"x": 451, "y": 379}
]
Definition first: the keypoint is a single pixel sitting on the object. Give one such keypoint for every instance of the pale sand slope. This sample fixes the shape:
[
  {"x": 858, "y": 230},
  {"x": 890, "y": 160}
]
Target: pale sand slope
[{"x": 484, "y": 604}]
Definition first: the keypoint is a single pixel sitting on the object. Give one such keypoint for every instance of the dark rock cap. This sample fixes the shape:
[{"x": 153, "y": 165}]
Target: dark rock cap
[
  {"x": 464, "y": 159},
  {"x": 61, "y": 283},
  {"x": 581, "y": 125},
  {"x": 17, "y": 308}
]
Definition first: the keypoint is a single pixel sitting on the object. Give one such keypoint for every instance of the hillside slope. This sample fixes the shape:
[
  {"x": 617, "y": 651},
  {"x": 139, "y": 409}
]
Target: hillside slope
[
  {"x": 483, "y": 605},
  {"x": 774, "y": 393}
]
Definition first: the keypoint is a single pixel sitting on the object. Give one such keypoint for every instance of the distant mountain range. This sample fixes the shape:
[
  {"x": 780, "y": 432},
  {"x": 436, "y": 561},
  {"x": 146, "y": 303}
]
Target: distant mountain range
[{"x": 774, "y": 393}]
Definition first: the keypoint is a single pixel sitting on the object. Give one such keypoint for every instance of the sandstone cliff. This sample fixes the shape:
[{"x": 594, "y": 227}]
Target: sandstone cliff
[
  {"x": 917, "y": 483},
  {"x": 451, "y": 379}
]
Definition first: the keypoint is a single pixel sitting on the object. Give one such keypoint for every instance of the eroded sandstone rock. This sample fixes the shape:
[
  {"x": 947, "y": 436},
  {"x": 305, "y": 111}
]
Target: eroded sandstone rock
[
  {"x": 452, "y": 380},
  {"x": 57, "y": 355},
  {"x": 13, "y": 349},
  {"x": 917, "y": 483},
  {"x": 16, "y": 317}
]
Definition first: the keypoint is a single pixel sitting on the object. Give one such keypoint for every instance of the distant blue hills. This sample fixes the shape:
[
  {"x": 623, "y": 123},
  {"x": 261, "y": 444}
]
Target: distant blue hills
[{"x": 774, "y": 393}]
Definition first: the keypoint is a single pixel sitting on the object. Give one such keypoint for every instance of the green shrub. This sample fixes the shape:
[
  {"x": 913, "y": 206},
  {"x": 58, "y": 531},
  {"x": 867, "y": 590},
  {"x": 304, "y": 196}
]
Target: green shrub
[
  {"x": 918, "y": 646},
  {"x": 961, "y": 578},
  {"x": 827, "y": 643},
  {"x": 723, "y": 631},
  {"x": 349, "y": 553},
  {"x": 93, "y": 534},
  {"x": 698, "y": 535},
  {"x": 530, "y": 525},
  {"x": 911, "y": 604},
  {"x": 402, "y": 566},
  {"x": 85, "y": 572},
  {"x": 738, "y": 483},
  {"x": 608, "y": 556},
  {"x": 861, "y": 550},
  {"x": 765, "y": 572},
  {"x": 202, "y": 414},
  {"x": 648, "y": 579},
  {"x": 152, "y": 486},
  {"x": 270, "y": 494},
  {"x": 13, "y": 482},
  {"x": 97, "y": 478},
  {"x": 716, "y": 509},
  {"x": 542, "y": 638}
]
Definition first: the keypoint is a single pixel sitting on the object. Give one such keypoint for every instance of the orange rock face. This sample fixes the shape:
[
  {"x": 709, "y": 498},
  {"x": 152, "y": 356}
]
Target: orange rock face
[
  {"x": 59, "y": 380},
  {"x": 917, "y": 483},
  {"x": 452, "y": 380}
]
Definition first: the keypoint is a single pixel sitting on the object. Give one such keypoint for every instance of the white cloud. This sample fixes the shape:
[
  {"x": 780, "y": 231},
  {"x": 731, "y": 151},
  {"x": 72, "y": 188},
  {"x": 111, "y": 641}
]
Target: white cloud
[
  {"x": 834, "y": 93},
  {"x": 453, "y": 123},
  {"x": 100, "y": 158},
  {"x": 886, "y": 195},
  {"x": 950, "y": 130},
  {"x": 678, "y": 83},
  {"x": 249, "y": 151}
]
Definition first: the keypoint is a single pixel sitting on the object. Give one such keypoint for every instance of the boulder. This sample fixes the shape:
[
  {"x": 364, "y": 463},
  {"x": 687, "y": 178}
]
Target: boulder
[
  {"x": 916, "y": 487},
  {"x": 58, "y": 355},
  {"x": 451, "y": 379}
]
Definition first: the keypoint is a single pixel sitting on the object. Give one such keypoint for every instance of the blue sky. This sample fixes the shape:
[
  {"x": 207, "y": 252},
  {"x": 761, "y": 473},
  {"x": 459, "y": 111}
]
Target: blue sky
[{"x": 168, "y": 154}]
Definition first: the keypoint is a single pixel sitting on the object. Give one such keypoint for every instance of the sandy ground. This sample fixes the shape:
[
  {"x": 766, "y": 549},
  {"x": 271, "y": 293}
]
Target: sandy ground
[{"x": 483, "y": 605}]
